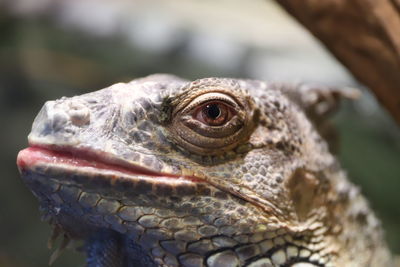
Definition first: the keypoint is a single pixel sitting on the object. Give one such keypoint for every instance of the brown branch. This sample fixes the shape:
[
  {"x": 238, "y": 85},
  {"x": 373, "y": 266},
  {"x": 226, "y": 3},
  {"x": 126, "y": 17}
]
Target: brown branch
[{"x": 364, "y": 35}]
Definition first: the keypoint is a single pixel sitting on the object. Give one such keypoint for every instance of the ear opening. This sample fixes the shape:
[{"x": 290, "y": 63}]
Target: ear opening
[{"x": 306, "y": 191}]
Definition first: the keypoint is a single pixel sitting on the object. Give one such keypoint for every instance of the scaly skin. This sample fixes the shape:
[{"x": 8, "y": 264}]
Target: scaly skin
[{"x": 216, "y": 172}]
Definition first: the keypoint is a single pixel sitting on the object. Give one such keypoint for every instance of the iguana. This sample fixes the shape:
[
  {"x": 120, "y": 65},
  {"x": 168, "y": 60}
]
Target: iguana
[{"x": 162, "y": 171}]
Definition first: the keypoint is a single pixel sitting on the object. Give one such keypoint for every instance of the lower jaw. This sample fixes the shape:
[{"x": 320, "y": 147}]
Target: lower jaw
[
  {"x": 141, "y": 217},
  {"x": 105, "y": 201}
]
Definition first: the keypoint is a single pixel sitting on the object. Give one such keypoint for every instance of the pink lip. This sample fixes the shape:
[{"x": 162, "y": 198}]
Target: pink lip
[{"x": 34, "y": 155}]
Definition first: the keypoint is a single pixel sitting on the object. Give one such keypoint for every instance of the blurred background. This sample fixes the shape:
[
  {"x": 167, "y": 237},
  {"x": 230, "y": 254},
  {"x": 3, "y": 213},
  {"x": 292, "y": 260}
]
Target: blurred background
[{"x": 50, "y": 49}]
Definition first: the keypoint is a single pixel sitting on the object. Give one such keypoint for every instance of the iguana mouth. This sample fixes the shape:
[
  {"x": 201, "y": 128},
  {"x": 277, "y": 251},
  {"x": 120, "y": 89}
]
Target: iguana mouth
[
  {"x": 90, "y": 161},
  {"x": 51, "y": 161}
]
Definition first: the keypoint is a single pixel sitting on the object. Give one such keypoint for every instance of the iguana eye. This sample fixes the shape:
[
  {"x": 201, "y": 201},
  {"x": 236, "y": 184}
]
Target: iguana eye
[
  {"x": 211, "y": 121},
  {"x": 214, "y": 113}
]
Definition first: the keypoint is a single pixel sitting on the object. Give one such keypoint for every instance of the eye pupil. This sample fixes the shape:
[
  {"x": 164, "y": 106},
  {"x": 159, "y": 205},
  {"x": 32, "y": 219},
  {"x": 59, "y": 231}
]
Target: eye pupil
[{"x": 213, "y": 111}]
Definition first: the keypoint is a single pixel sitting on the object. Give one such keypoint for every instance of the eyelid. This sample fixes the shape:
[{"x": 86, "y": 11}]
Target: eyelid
[{"x": 213, "y": 96}]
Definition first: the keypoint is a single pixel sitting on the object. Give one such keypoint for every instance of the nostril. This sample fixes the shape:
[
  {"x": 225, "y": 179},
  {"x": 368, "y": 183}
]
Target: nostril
[
  {"x": 79, "y": 114},
  {"x": 59, "y": 120}
]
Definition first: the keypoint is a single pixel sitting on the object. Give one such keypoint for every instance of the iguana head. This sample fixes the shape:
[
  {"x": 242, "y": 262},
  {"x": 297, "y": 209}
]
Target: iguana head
[{"x": 216, "y": 172}]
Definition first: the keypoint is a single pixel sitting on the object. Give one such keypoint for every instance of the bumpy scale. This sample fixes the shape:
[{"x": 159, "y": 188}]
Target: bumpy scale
[{"x": 215, "y": 172}]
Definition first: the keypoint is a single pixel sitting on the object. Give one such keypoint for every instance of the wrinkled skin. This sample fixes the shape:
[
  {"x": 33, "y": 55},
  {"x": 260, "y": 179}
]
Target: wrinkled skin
[{"x": 216, "y": 172}]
